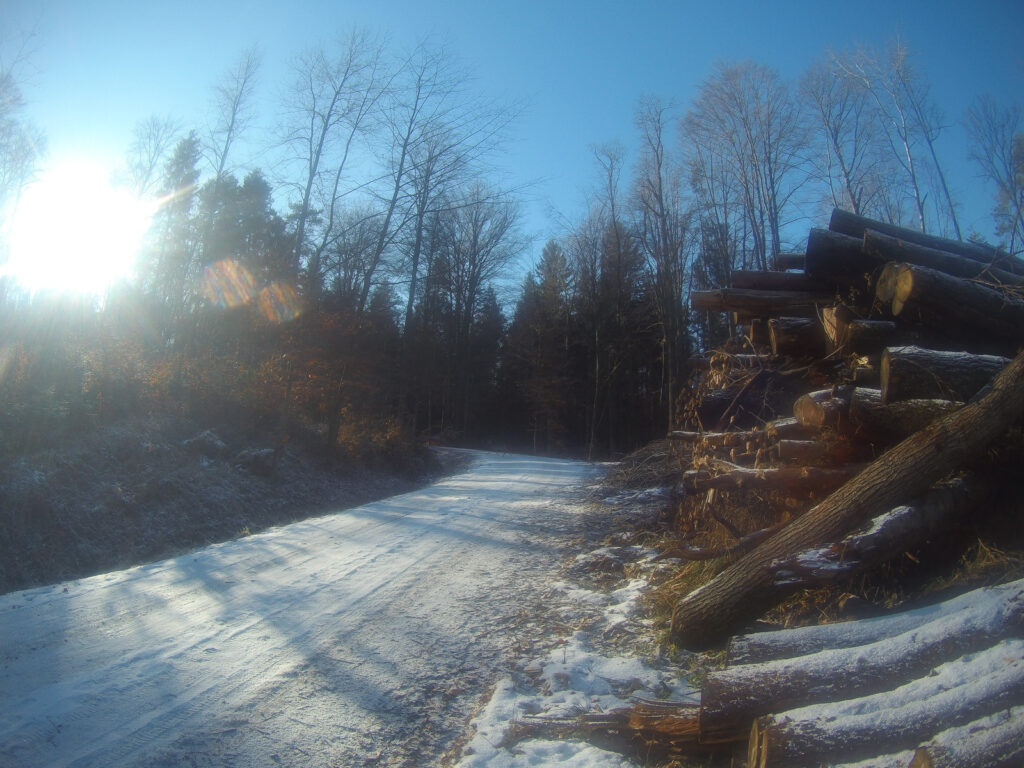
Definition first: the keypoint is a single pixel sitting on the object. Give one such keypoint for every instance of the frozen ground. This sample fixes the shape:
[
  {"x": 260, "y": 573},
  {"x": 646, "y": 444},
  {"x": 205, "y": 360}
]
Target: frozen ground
[{"x": 367, "y": 637}]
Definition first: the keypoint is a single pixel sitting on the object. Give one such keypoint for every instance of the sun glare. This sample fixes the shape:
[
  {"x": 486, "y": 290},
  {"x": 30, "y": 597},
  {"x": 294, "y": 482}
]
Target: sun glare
[{"x": 73, "y": 232}]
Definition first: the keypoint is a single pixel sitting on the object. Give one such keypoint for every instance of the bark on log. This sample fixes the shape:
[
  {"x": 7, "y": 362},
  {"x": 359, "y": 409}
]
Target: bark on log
[
  {"x": 957, "y": 693},
  {"x": 801, "y": 641},
  {"x": 789, "y": 429},
  {"x": 944, "y": 511},
  {"x": 747, "y": 588},
  {"x": 957, "y": 306},
  {"x": 789, "y": 261},
  {"x": 869, "y": 337},
  {"x": 914, "y": 373},
  {"x": 732, "y": 698},
  {"x": 894, "y": 249},
  {"x": 803, "y": 451},
  {"x": 751, "y": 303},
  {"x": 775, "y": 281},
  {"x": 882, "y": 423},
  {"x": 855, "y": 226},
  {"x": 789, "y": 479},
  {"x": 826, "y": 408},
  {"x": 837, "y": 259},
  {"x": 996, "y": 741},
  {"x": 796, "y": 337}
]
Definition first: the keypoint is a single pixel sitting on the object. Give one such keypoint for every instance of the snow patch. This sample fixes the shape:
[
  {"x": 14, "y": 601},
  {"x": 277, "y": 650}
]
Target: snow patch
[{"x": 573, "y": 679}]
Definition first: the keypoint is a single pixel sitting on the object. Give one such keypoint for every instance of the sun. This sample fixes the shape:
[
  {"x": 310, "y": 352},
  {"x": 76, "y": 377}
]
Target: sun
[{"x": 74, "y": 232}]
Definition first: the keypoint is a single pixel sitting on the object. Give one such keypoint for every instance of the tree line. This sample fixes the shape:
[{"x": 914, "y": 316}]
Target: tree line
[{"x": 356, "y": 283}]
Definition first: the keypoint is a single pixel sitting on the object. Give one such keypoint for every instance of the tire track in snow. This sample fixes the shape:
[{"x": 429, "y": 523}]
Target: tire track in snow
[{"x": 367, "y": 635}]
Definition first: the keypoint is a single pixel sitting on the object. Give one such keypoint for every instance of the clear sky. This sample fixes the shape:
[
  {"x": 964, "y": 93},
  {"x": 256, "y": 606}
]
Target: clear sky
[{"x": 102, "y": 66}]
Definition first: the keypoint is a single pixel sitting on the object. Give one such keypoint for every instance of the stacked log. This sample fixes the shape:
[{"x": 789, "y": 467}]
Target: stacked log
[
  {"x": 941, "y": 685},
  {"x": 914, "y": 343}
]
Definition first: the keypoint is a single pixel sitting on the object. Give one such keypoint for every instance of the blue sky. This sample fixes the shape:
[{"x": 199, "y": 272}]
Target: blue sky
[{"x": 100, "y": 67}]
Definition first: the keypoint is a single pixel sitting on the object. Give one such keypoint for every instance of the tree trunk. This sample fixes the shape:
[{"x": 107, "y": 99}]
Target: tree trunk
[
  {"x": 750, "y": 303},
  {"x": 958, "y": 306},
  {"x": 943, "y": 511},
  {"x": 807, "y": 452},
  {"x": 837, "y": 259},
  {"x": 732, "y": 698},
  {"x": 996, "y": 741},
  {"x": 882, "y": 423},
  {"x": 775, "y": 281},
  {"x": 892, "y": 248},
  {"x": 787, "y": 479},
  {"x": 914, "y": 373},
  {"x": 786, "y": 643},
  {"x": 885, "y": 284},
  {"x": 869, "y": 337},
  {"x": 789, "y": 260},
  {"x": 855, "y": 226},
  {"x": 826, "y": 408},
  {"x": 796, "y": 336},
  {"x": 747, "y": 588},
  {"x": 955, "y": 694}
]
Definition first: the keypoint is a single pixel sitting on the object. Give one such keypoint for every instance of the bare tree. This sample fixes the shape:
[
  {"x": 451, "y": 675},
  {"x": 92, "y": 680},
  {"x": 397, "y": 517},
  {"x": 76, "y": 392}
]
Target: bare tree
[
  {"x": 997, "y": 147},
  {"x": 850, "y": 159},
  {"x": 152, "y": 141},
  {"x": 910, "y": 118},
  {"x": 232, "y": 108},
  {"x": 746, "y": 121},
  {"x": 330, "y": 106},
  {"x": 663, "y": 229},
  {"x": 436, "y": 133},
  {"x": 478, "y": 239},
  {"x": 21, "y": 143}
]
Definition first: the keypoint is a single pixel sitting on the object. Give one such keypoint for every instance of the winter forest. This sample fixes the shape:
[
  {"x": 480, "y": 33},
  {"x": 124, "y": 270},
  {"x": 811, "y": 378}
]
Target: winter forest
[{"x": 360, "y": 272}]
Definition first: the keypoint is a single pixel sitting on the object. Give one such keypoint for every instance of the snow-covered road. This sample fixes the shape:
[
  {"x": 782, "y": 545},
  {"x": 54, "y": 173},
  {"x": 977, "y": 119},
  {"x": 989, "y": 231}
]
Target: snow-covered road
[{"x": 361, "y": 638}]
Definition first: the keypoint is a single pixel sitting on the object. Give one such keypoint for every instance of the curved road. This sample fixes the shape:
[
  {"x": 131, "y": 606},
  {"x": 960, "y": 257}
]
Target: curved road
[{"x": 364, "y": 637}]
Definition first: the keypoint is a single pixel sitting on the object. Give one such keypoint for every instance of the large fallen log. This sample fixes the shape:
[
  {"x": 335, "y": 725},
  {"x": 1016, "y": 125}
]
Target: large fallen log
[
  {"x": 825, "y": 408},
  {"x": 747, "y": 588},
  {"x": 995, "y": 741},
  {"x": 944, "y": 511},
  {"x": 957, "y": 306},
  {"x": 868, "y": 337},
  {"x": 789, "y": 261},
  {"x": 789, "y": 479},
  {"x": 882, "y": 423},
  {"x": 751, "y": 303},
  {"x": 914, "y": 372},
  {"x": 895, "y": 249},
  {"x": 855, "y": 226},
  {"x": 954, "y": 694},
  {"x": 838, "y": 259},
  {"x": 775, "y": 281},
  {"x": 801, "y": 641},
  {"x": 733, "y": 697}
]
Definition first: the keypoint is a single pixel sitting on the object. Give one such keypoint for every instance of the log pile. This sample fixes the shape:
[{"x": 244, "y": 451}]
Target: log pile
[
  {"x": 907, "y": 349},
  {"x": 941, "y": 685}
]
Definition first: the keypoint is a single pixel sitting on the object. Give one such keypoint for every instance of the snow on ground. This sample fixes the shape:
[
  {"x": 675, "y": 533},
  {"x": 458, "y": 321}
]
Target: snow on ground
[
  {"x": 586, "y": 674},
  {"x": 365, "y": 637}
]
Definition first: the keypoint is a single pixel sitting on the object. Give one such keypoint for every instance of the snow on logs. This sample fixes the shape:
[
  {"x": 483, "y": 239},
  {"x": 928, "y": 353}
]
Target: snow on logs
[
  {"x": 954, "y": 694},
  {"x": 746, "y": 588},
  {"x": 890, "y": 326},
  {"x": 733, "y": 697}
]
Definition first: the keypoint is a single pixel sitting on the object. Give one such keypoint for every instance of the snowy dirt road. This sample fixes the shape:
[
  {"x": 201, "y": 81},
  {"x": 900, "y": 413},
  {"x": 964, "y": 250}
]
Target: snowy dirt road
[{"x": 365, "y": 637}]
